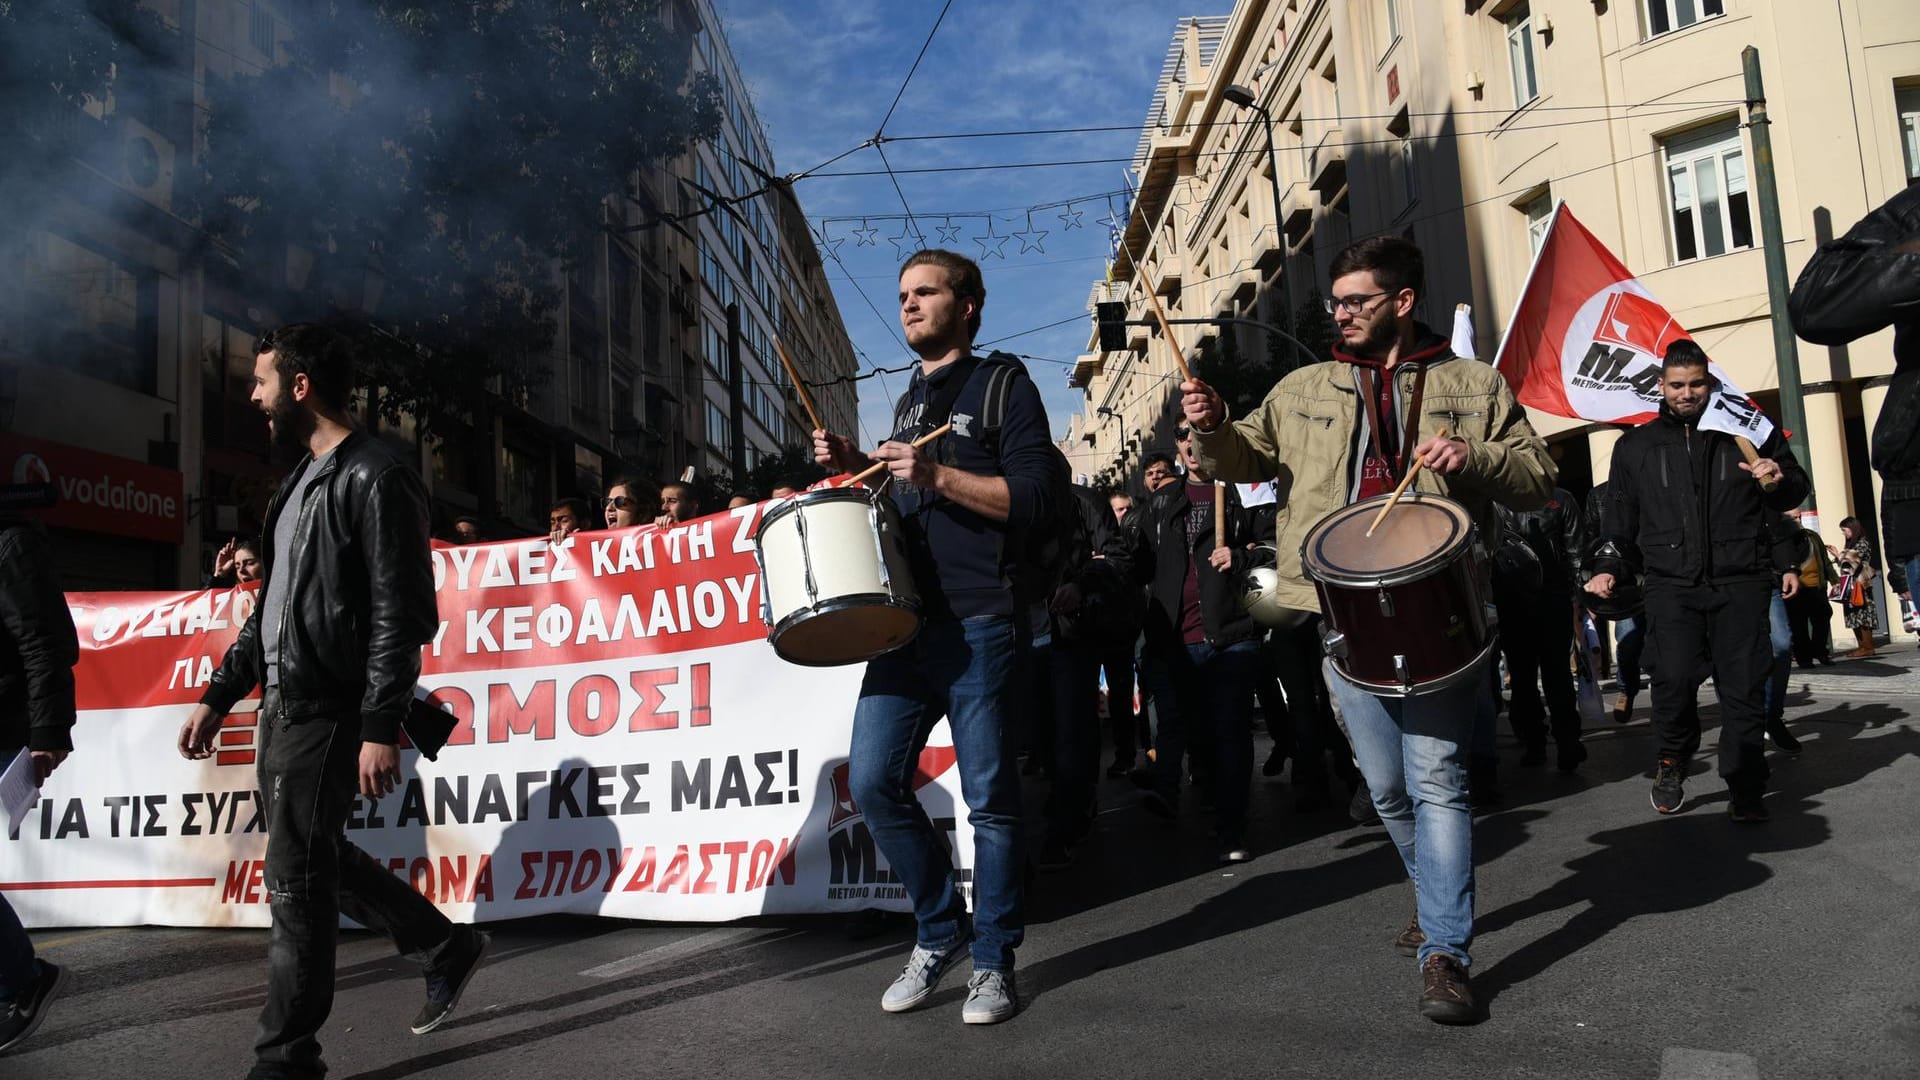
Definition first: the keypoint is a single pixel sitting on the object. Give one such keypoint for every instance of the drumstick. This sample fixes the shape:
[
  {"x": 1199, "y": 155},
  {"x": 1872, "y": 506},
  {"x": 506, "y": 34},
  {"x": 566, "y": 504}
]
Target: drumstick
[
  {"x": 874, "y": 469},
  {"x": 806, "y": 399},
  {"x": 1166, "y": 328},
  {"x": 1412, "y": 471},
  {"x": 1753, "y": 457},
  {"x": 1219, "y": 514}
]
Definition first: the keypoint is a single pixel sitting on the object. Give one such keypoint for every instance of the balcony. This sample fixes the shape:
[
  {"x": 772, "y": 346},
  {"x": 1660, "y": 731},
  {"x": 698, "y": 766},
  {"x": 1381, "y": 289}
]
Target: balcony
[
  {"x": 1327, "y": 169},
  {"x": 1296, "y": 211},
  {"x": 1167, "y": 269},
  {"x": 1269, "y": 247},
  {"x": 1085, "y": 367}
]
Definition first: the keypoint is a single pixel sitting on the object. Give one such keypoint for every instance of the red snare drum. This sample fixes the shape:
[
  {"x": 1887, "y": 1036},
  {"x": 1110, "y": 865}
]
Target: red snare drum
[{"x": 1407, "y": 610}]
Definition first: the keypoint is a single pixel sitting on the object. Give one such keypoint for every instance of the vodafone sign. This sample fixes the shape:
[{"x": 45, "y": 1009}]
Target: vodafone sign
[{"x": 98, "y": 492}]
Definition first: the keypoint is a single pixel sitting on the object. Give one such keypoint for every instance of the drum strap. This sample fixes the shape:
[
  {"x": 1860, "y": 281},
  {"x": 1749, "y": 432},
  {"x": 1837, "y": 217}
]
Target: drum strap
[{"x": 1397, "y": 462}]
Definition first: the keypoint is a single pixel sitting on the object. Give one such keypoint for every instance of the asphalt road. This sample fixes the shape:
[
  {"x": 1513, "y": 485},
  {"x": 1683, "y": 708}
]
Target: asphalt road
[{"x": 1612, "y": 943}]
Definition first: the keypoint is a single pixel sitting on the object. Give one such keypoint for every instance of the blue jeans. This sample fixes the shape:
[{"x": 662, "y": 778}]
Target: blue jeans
[
  {"x": 967, "y": 671},
  {"x": 18, "y": 972},
  {"x": 1205, "y": 699},
  {"x": 1413, "y": 753},
  {"x": 1629, "y": 641},
  {"x": 1774, "y": 694}
]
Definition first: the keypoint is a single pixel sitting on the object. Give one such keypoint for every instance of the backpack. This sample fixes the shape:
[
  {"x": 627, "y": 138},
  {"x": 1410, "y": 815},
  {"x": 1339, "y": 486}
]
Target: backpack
[{"x": 1046, "y": 553}]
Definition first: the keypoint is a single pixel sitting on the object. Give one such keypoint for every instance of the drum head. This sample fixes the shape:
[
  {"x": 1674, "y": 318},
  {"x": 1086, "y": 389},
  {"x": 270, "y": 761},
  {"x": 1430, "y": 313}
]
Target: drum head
[
  {"x": 850, "y": 632},
  {"x": 1422, "y": 530}
]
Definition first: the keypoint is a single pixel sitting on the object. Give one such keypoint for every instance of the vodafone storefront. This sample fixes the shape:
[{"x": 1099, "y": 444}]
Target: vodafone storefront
[{"x": 118, "y": 523}]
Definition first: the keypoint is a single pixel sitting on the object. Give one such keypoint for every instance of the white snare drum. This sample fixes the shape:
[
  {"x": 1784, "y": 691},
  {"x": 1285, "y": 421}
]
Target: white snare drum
[{"x": 834, "y": 581}]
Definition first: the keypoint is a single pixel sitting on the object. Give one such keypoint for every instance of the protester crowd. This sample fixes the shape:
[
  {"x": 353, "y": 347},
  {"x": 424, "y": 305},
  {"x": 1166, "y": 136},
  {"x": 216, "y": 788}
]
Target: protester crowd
[{"x": 1038, "y": 593}]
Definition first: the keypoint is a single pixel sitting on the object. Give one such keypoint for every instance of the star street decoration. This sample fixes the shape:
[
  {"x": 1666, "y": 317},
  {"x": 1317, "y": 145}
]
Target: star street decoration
[
  {"x": 1070, "y": 218},
  {"x": 907, "y": 242},
  {"x": 1030, "y": 239},
  {"x": 949, "y": 233},
  {"x": 865, "y": 235},
  {"x": 830, "y": 246},
  {"x": 991, "y": 246}
]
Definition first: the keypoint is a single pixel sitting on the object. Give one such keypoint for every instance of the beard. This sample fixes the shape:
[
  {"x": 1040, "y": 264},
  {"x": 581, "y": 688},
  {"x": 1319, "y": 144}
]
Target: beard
[
  {"x": 289, "y": 427},
  {"x": 1377, "y": 339}
]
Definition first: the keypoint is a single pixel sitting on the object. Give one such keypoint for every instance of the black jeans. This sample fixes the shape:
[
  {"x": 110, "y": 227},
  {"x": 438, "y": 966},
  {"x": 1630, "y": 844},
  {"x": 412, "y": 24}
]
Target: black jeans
[
  {"x": 1205, "y": 698},
  {"x": 308, "y": 773},
  {"x": 1809, "y": 613},
  {"x": 1724, "y": 628},
  {"x": 1296, "y": 659},
  {"x": 1120, "y": 719},
  {"x": 1537, "y": 638},
  {"x": 1074, "y": 682}
]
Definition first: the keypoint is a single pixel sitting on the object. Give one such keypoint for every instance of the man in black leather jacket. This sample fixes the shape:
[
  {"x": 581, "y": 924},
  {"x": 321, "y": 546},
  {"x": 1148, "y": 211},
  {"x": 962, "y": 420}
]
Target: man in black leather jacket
[
  {"x": 1862, "y": 283},
  {"x": 1202, "y": 651},
  {"x": 1537, "y": 636},
  {"x": 1687, "y": 508},
  {"x": 347, "y": 602}
]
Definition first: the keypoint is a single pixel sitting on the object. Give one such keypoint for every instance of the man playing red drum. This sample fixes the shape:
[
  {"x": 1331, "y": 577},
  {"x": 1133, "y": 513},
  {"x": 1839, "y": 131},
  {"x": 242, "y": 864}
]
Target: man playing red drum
[{"x": 1334, "y": 433}]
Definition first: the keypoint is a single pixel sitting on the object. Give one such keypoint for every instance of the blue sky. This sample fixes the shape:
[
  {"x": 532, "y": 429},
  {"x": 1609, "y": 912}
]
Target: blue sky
[{"x": 822, "y": 74}]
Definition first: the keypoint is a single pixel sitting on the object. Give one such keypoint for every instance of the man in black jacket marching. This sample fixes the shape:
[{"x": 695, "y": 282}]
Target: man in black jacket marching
[
  {"x": 346, "y": 604},
  {"x": 1688, "y": 510},
  {"x": 1202, "y": 652}
]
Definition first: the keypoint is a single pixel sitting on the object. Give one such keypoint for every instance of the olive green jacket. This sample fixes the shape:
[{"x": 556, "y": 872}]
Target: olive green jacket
[{"x": 1308, "y": 434}]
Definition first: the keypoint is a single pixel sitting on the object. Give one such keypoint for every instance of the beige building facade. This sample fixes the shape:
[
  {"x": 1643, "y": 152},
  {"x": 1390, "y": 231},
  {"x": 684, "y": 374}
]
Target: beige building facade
[{"x": 1460, "y": 126}]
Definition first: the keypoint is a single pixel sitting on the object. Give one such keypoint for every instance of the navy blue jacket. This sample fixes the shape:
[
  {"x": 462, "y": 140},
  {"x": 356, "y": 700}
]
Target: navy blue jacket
[{"x": 966, "y": 564}]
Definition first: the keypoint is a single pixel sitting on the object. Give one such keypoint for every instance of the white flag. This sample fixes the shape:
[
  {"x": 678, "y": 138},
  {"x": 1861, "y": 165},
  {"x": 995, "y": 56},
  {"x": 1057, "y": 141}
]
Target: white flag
[
  {"x": 1259, "y": 494},
  {"x": 1463, "y": 332}
]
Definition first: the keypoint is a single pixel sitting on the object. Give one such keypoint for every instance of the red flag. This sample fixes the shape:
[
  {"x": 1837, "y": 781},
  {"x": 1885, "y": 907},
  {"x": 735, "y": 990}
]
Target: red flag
[{"x": 1586, "y": 339}]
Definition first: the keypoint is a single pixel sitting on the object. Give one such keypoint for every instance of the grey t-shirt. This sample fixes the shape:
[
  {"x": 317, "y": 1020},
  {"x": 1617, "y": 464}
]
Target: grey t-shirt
[{"x": 278, "y": 584}]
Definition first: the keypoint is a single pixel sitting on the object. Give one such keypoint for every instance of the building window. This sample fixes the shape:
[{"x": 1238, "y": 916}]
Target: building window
[
  {"x": 78, "y": 308},
  {"x": 1539, "y": 211},
  {"x": 1666, "y": 15},
  {"x": 260, "y": 28},
  {"x": 1393, "y": 21},
  {"x": 714, "y": 342},
  {"x": 1526, "y": 82},
  {"x": 1907, "y": 100},
  {"x": 1707, "y": 193},
  {"x": 718, "y": 437}
]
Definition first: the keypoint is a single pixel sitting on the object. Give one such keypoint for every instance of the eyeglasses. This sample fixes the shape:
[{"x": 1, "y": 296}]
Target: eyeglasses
[
  {"x": 1352, "y": 305},
  {"x": 1182, "y": 434},
  {"x": 619, "y": 502}
]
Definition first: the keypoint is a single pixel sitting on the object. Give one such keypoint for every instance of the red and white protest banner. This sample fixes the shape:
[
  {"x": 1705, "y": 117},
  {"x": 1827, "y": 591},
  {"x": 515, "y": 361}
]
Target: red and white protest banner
[
  {"x": 1586, "y": 339},
  {"x": 629, "y": 745}
]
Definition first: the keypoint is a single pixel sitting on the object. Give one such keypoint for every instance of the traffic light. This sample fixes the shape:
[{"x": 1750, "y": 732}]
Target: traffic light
[{"x": 1112, "y": 318}]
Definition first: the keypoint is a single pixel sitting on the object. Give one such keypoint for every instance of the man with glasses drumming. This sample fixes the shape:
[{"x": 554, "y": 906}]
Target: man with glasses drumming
[{"x": 1334, "y": 433}]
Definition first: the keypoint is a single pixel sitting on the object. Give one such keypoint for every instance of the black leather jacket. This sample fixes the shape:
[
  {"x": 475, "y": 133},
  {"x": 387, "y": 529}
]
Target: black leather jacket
[
  {"x": 37, "y": 645},
  {"x": 361, "y": 601},
  {"x": 1151, "y": 548},
  {"x": 1557, "y": 533},
  {"x": 1680, "y": 507}
]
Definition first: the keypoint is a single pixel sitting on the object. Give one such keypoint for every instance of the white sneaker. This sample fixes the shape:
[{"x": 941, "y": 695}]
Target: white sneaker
[
  {"x": 922, "y": 974},
  {"x": 990, "y": 998}
]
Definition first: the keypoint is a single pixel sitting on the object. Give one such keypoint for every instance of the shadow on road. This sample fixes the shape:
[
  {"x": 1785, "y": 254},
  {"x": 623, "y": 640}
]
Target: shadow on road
[{"x": 1696, "y": 858}]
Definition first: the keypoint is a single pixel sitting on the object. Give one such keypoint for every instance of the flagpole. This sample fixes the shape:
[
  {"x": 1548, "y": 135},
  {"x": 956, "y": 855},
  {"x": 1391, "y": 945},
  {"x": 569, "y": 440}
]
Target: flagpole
[{"x": 1500, "y": 352}]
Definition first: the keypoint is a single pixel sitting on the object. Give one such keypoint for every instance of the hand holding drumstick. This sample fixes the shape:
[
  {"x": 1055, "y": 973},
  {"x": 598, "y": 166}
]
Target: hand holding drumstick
[{"x": 1441, "y": 454}]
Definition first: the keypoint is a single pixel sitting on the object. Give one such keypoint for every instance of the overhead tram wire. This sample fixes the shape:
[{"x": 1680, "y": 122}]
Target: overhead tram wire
[{"x": 881, "y": 130}]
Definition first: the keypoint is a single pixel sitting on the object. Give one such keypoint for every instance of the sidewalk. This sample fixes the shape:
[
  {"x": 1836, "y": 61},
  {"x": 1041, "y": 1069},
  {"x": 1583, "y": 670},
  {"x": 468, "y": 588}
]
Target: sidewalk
[{"x": 1895, "y": 670}]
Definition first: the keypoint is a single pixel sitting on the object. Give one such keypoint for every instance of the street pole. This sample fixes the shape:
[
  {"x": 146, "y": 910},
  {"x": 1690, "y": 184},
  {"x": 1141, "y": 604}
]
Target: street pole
[
  {"x": 1786, "y": 352},
  {"x": 1246, "y": 99}
]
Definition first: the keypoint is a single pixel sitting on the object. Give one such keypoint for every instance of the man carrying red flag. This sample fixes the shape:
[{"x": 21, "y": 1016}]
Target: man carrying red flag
[{"x": 1690, "y": 514}]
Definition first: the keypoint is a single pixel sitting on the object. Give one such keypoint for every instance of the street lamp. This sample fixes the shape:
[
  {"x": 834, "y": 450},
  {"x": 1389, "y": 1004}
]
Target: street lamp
[{"x": 1245, "y": 99}]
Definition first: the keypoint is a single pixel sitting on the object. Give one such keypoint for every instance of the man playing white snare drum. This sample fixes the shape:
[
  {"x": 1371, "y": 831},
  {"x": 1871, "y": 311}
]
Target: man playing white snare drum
[
  {"x": 1334, "y": 433},
  {"x": 965, "y": 501}
]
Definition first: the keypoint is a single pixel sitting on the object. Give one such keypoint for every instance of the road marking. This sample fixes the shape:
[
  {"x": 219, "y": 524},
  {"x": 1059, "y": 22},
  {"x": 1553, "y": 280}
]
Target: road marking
[
  {"x": 1680, "y": 1064},
  {"x": 54, "y": 943},
  {"x": 671, "y": 951}
]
